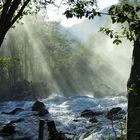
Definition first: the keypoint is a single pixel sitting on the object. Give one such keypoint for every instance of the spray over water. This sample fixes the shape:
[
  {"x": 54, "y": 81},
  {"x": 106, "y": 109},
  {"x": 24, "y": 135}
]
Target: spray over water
[{"x": 69, "y": 61}]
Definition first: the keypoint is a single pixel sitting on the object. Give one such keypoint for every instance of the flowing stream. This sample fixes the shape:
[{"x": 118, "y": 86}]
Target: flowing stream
[{"x": 81, "y": 65}]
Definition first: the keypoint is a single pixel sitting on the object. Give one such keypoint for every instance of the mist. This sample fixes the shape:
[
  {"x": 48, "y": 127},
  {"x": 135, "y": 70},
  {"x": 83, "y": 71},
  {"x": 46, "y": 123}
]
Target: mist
[
  {"x": 112, "y": 63},
  {"x": 45, "y": 58}
]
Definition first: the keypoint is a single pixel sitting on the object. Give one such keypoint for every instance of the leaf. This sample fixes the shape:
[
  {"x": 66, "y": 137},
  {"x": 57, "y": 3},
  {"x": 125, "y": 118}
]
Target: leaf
[
  {"x": 137, "y": 8},
  {"x": 130, "y": 90},
  {"x": 111, "y": 36},
  {"x": 117, "y": 41}
]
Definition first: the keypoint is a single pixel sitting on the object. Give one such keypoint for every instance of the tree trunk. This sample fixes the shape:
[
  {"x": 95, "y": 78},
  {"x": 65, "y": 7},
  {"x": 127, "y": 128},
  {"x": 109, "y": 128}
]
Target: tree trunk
[
  {"x": 8, "y": 16},
  {"x": 1, "y": 39},
  {"x": 133, "y": 122}
]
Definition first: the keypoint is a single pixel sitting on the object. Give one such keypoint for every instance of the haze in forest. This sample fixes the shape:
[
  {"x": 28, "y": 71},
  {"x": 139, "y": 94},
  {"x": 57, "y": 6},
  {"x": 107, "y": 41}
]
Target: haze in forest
[{"x": 40, "y": 58}]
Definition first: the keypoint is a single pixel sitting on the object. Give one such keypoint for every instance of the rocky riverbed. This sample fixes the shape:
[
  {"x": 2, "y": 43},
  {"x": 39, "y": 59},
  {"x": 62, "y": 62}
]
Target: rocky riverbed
[{"x": 79, "y": 117}]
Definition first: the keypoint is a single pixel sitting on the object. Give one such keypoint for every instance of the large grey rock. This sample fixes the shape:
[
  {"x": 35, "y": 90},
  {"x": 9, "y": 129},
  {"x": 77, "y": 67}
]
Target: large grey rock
[
  {"x": 53, "y": 133},
  {"x": 37, "y": 106},
  {"x": 90, "y": 113},
  {"x": 93, "y": 120},
  {"x": 40, "y": 108},
  {"x": 13, "y": 112},
  {"x": 116, "y": 113},
  {"x": 43, "y": 112},
  {"x": 7, "y": 130}
]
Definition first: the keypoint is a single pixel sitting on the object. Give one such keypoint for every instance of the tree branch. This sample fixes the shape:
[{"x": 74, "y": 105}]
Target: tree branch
[
  {"x": 18, "y": 14},
  {"x": 4, "y": 15},
  {"x": 13, "y": 8},
  {"x": 102, "y": 13}
]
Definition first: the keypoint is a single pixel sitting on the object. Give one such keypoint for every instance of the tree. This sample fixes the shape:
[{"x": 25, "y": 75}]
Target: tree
[
  {"x": 129, "y": 17},
  {"x": 10, "y": 12}
]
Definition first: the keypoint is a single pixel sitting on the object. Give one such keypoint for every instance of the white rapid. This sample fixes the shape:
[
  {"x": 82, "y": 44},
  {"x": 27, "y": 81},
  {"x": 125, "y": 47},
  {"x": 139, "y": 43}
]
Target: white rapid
[{"x": 65, "y": 111}]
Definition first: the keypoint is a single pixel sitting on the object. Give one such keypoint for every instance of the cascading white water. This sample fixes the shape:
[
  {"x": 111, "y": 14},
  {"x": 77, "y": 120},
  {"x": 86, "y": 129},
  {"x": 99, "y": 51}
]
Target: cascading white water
[{"x": 76, "y": 60}]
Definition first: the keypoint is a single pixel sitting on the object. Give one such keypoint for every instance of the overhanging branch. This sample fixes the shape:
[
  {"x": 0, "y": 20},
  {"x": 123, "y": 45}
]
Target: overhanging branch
[{"x": 18, "y": 15}]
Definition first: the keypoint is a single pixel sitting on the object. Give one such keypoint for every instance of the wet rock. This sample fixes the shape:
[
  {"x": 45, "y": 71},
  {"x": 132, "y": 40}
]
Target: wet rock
[
  {"x": 92, "y": 126},
  {"x": 16, "y": 121},
  {"x": 22, "y": 138},
  {"x": 76, "y": 120},
  {"x": 13, "y": 112},
  {"x": 7, "y": 130},
  {"x": 116, "y": 113},
  {"x": 90, "y": 113},
  {"x": 37, "y": 106},
  {"x": 53, "y": 133},
  {"x": 93, "y": 120},
  {"x": 58, "y": 136},
  {"x": 86, "y": 134},
  {"x": 43, "y": 112},
  {"x": 40, "y": 108}
]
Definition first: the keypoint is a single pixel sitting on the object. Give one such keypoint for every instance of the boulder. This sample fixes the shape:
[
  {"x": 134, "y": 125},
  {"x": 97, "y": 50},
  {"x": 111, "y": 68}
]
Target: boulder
[
  {"x": 7, "y": 130},
  {"x": 58, "y": 136},
  {"x": 16, "y": 121},
  {"x": 40, "y": 108},
  {"x": 116, "y": 113},
  {"x": 53, "y": 133},
  {"x": 13, "y": 112},
  {"x": 76, "y": 120},
  {"x": 43, "y": 112},
  {"x": 90, "y": 113},
  {"x": 37, "y": 106},
  {"x": 93, "y": 120}
]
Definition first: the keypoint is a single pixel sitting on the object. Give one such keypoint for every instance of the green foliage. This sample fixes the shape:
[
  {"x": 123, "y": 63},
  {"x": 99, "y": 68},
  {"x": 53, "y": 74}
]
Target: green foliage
[
  {"x": 122, "y": 138},
  {"x": 108, "y": 136},
  {"x": 81, "y": 8},
  {"x": 12, "y": 11},
  {"x": 131, "y": 90},
  {"x": 122, "y": 135},
  {"x": 112, "y": 34},
  {"x": 6, "y": 61},
  {"x": 56, "y": 57},
  {"x": 8, "y": 68},
  {"x": 125, "y": 14},
  {"x": 123, "y": 131}
]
